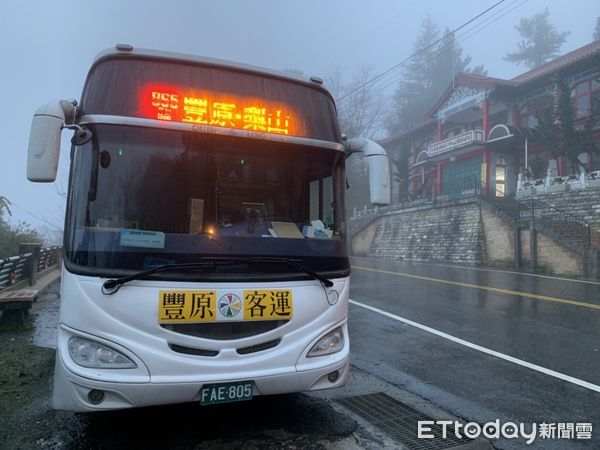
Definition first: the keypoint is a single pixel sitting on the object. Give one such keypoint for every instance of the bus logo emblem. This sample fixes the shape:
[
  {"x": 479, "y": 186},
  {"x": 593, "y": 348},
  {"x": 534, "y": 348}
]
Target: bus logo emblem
[{"x": 230, "y": 305}]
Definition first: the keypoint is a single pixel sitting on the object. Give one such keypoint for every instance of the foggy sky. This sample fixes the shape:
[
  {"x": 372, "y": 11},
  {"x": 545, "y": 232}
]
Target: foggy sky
[{"x": 47, "y": 48}]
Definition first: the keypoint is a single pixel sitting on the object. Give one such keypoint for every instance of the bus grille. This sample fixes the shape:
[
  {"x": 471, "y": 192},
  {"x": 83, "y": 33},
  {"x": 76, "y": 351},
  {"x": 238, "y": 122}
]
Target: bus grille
[
  {"x": 211, "y": 353},
  {"x": 259, "y": 347},
  {"x": 193, "y": 351},
  {"x": 225, "y": 331}
]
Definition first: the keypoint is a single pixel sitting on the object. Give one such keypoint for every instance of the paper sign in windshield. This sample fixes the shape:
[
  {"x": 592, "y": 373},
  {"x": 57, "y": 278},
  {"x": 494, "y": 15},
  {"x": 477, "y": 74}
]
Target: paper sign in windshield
[{"x": 142, "y": 238}]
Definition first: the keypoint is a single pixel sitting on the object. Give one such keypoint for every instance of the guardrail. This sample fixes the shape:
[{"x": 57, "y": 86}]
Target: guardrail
[{"x": 25, "y": 267}]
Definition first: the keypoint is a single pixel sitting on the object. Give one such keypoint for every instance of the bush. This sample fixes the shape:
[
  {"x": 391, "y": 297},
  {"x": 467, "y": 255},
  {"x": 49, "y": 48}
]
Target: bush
[{"x": 13, "y": 235}]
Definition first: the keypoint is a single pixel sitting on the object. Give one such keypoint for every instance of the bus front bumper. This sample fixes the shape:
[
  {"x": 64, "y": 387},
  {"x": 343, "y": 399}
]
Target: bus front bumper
[{"x": 75, "y": 393}]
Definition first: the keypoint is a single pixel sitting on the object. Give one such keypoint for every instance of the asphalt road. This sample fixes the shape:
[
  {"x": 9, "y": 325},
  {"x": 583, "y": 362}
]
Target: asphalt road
[
  {"x": 452, "y": 342},
  {"x": 483, "y": 344}
]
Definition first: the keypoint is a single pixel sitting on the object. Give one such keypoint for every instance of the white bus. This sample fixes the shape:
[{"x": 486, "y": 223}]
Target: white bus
[{"x": 205, "y": 252}]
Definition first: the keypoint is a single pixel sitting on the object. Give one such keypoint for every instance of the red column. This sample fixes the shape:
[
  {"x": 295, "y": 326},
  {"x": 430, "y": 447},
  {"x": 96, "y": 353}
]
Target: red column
[
  {"x": 560, "y": 165},
  {"x": 486, "y": 118},
  {"x": 440, "y": 130},
  {"x": 438, "y": 179}
]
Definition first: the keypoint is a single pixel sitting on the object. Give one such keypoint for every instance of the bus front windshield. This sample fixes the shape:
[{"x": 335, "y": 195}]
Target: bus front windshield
[{"x": 141, "y": 197}]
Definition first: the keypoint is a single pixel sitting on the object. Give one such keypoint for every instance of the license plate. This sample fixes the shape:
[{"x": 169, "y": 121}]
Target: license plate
[
  {"x": 196, "y": 306},
  {"x": 211, "y": 394}
]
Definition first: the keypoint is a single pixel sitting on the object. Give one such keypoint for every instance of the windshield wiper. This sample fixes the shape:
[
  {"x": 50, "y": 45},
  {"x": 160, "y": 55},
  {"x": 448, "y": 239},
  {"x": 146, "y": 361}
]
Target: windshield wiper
[
  {"x": 298, "y": 265},
  {"x": 113, "y": 285}
]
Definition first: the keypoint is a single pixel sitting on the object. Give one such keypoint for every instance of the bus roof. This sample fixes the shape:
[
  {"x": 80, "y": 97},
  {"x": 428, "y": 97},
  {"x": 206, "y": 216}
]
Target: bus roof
[{"x": 126, "y": 50}]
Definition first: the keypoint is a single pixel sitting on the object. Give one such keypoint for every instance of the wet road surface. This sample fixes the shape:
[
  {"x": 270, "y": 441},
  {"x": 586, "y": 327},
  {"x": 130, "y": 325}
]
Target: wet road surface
[
  {"x": 286, "y": 421},
  {"x": 551, "y": 324}
]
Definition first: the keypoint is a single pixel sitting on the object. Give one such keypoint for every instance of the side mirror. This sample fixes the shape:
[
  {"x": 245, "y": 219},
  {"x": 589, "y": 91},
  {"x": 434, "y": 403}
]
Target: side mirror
[
  {"x": 379, "y": 168},
  {"x": 44, "y": 139}
]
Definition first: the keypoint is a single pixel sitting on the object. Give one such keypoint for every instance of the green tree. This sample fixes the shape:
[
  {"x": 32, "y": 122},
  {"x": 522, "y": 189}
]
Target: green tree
[
  {"x": 541, "y": 41},
  {"x": 399, "y": 162},
  {"x": 4, "y": 209},
  {"x": 438, "y": 58},
  {"x": 537, "y": 167},
  {"x": 13, "y": 235},
  {"x": 561, "y": 134}
]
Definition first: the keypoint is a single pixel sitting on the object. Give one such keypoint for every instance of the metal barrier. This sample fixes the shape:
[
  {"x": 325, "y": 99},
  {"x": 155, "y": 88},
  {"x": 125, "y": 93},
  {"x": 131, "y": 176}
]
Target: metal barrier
[
  {"x": 11, "y": 269},
  {"x": 468, "y": 186},
  {"x": 27, "y": 265},
  {"x": 49, "y": 256}
]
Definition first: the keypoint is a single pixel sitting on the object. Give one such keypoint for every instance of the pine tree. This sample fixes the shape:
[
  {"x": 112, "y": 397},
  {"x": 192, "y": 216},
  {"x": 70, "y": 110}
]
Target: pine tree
[
  {"x": 426, "y": 76},
  {"x": 399, "y": 163},
  {"x": 541, "y": 41},
  {"x": 560, "y": 133}
]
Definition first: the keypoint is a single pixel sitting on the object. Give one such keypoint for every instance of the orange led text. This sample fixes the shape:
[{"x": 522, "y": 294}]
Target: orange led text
[{"x": 228, "y": 112}]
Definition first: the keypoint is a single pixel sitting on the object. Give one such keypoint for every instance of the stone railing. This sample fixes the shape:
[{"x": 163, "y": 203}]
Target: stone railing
[{"x": 549, "y": 184}]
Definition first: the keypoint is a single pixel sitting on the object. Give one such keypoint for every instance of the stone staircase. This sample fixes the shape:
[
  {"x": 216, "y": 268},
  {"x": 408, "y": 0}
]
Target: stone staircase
[{"x": 566, "y": 228}]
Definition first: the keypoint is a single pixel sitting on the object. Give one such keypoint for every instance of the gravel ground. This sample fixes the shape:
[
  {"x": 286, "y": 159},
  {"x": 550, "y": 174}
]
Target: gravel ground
[{"x": 25, "y": 383}]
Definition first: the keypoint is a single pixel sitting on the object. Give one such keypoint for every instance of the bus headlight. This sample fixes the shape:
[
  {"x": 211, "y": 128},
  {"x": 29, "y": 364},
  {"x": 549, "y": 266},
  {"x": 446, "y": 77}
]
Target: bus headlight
[
  {"x": 92, "y": 354},
  {"x": 332, "y": 342}
]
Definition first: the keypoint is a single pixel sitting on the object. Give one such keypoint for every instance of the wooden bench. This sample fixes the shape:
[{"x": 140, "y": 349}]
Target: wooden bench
[{"x": 15, "y": 305}]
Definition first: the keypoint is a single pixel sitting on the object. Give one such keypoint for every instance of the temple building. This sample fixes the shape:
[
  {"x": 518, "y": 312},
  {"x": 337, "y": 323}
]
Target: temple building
[{"x": 481, "y": 133}]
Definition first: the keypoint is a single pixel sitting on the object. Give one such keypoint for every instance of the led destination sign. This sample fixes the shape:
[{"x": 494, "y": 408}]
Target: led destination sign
[
  {"x": 215, "y": 98},
  {"x": 174, "y": 104}
]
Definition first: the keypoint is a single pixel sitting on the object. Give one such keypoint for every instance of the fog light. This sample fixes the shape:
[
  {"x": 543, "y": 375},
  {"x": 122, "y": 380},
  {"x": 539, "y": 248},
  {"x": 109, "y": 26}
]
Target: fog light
[
  {"x": 96, "y": 396},
  {"x": 333, "y": 376}
]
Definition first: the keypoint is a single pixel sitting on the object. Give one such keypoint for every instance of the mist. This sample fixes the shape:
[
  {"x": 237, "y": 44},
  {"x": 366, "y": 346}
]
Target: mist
[{"x": 48, "y": 48}]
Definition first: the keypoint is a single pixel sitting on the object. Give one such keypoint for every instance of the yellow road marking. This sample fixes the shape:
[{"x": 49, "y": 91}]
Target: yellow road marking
[{"x": 485, "y": 288}]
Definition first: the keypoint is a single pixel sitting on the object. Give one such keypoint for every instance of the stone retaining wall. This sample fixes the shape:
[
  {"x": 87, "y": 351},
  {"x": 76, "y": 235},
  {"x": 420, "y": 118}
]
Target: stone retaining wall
[
  {"x": 450, "y": 233},
  {"x": 499, "y": 239},
  {"x": 552, "y": 257},
  {"x": 464, "y": 233}
]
